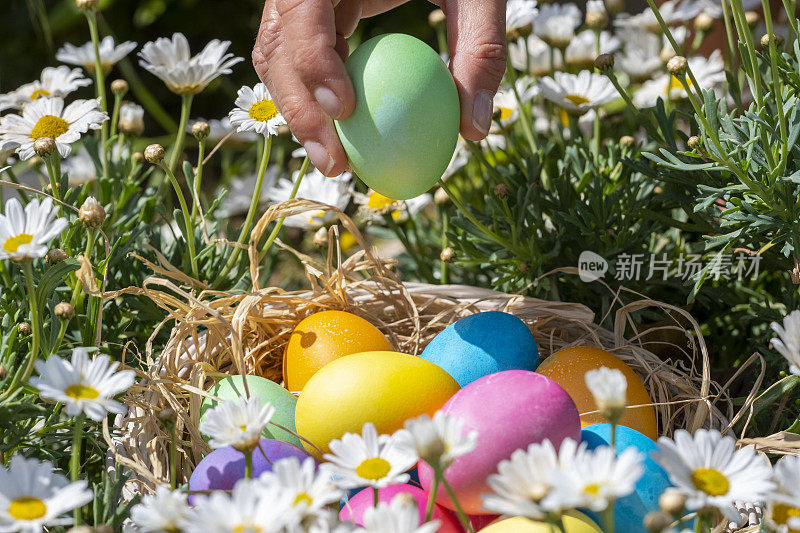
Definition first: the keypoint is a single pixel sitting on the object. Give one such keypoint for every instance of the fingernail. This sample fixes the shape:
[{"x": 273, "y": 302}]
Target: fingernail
[
  {"x": 329, "y": 101},
  {"x": 482, "y": 111},
  {"x": 319, "y": 156}
]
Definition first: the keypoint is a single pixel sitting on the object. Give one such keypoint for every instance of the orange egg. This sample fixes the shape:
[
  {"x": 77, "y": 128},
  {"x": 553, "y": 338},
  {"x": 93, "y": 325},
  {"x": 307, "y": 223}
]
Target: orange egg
[
  {"x": 568, "y": 366},
  {"x": 323, "y": 337}
]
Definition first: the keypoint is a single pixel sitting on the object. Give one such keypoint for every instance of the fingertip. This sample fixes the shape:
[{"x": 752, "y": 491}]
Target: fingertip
[{"x": 476, "y": 114}]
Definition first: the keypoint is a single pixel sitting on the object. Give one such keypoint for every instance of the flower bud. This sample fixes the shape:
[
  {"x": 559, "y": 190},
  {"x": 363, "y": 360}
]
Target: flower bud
[
  {"x": 436, "y": 18},
  {"x": 87, "y": 5},
  {"x": 92, "y": 213},
  {"x": 666, "y": 54},
  {"x": 657, "y": 521},
  {"x": 627, "y": 141},
  {"x": 693, "y": 142},
  {"x": 24, "y": 328},
  {"x": 321, "y": 237},
  {"x": 80, "y": 529},
  {"x": 752, "y": 18},
  {"x": 524, "y": 267},
  {"x": 201, "y": 130},
  {"x": 501, "y": 190},
  {"x": 131, "y": 119},
  {"x": 120, "y": 87},
  {"x": 44, "y": 146},
  {"x": 703, "y": 22},
  {"x": 447, "y": 255},
  {"x": 137, "y": 157},
  {"x": 441, "y": 197},
  {"x": 166, "y": 416},
  {"x": 776, "y": 38},
  {"x": 3, "y": 372},
  {"x": 615, "y": 6},
  {"x": 604, "y": 62},
  {"x": 596, "y": 15},
  {"x": 154, "y": 153},
  {"x": 672, "y": 501},
  {"x": 103, "y": 528},
  {"x": 677, "y": 66},
  {"x": 64, "y": 311},
  {"x": 55, "y": 256}
]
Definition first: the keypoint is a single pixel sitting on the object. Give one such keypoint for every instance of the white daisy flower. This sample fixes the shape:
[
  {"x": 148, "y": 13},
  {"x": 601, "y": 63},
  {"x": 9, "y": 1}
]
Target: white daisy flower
[
  {"x": 79, "y": 168},
  {"x": 582, "y": 51},
  {"x": 171, "y": 61},
  {"x": 252, "y": 507},
  {"x": 368, "y": 459},
  {"x": 161, "y": 512},
  {"x": 710, "y": 74},
  {"x": 54, "y": 81},
  {"x": 131, "y": 119},
  {"x": 374, "y": 205},
  {"x": 524, "y": 484},
  {"x": 33, "y": 496},
  {"x": 439, "y": 440},
  {"x": 709, "y": 470},
  {"x": 310, "y": 489},
  {"x": 399, "y": 516},
  {"x": 674, "y": 13},
  {"x": 25, "y": 233},
  {"x": 532, "y": 55},
  {"x": 609, "y": 389},
  {"x": 520, "y": 14},
  {"x": 237, "y": 423},
  {"x": 47, "y": 117},
  {"x": 596, "y": 478},
  {"x": 783, "y": 504},
  {"x": 255, "y": 111},
  {"x": 556, "y": 23},
  {"x": 83, "y": 56},
  {"x": 578, "y": 93},
  {"x": 641, "y": 57},
  {"x": 316, "y": 187},
  {"x": 240, "y": 192},
  {"x": 787, "y": 343},
  {"x": 220, "y": 128},
  {"x": 83, "y": 385}
]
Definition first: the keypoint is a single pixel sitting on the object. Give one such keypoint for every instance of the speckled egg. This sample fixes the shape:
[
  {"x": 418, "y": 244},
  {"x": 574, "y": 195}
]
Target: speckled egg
[
  {"x": 574, "y": 522},
  {"x": 629, "y": 512},
  {"x": 322, "y": 337},
  {"x": 509, "y": 410},
  {"x": 232, "y": 388},
  {"x": 568, "y": 366},
  {"x": 223, "y": 467},
  {"x": 385, "y": 388},
  {"x": 353, "y": 511},
  {"x": 482, "y": 344},
  {"x": 404, "y": 129}
]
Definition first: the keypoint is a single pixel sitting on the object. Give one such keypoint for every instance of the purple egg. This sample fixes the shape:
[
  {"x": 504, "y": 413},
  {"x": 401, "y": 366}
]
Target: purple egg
[
  {"x": 222, "y": 468},
  {"x": 509, "y": 410}
]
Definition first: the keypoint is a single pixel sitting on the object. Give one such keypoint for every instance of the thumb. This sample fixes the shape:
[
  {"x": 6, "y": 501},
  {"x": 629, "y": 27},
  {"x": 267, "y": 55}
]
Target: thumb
[{"x": 476, "y": 36}]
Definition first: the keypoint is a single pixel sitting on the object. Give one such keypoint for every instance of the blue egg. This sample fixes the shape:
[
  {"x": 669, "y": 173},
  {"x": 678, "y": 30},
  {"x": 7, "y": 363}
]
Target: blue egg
[
  {"x": 629, "y": 512},
  {"x": 482, "y": 344}
]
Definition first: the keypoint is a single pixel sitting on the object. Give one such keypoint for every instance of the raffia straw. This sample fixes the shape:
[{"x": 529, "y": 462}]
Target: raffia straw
[{"x": 215, "y": 334}]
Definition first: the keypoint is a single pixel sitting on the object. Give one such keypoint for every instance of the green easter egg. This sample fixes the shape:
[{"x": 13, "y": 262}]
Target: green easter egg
[
  {"x": 232, "y": 388},
  {"x": 404, "y": 129}
]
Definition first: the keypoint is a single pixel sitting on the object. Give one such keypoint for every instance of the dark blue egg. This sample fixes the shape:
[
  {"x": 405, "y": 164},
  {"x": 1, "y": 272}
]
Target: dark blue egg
[
  {"x": 482, "y": 344},
  {"x": 629, "y": 512}
]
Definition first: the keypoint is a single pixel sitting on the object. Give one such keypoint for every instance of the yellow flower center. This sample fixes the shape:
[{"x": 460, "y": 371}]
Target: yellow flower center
[
  {"x": 316, "y": 217},
  {"x": 302, "y": 497},
  {"x": 564, "y": 118},
  {"x": 710, "y": 481},
  {"x": 378, "y": 201},
  {"x": 347, "y": 241},
  {"x": 50, "y": 126},
  {"x": 577, "y": 99},
  {"x": 13, "y": 244},
  {"x": 675, "y": 83},
  {"x": 263, "y": 111},
  {"x": 374, "y": 468},
  {"x": 27, "y": 508},
  {"x": 782, "y": 513},
  {"x": 247, "y": 528},
  {"x": 82, "y": 392},
  {"x": 38, "y": 93},
  {"x": 505, "y": 113},
  {"x": 592, "y": 489}
]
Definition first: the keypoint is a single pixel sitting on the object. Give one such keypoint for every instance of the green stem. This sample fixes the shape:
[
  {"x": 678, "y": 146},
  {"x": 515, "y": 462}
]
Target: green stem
[
  {"x": 75, "y": 459},
  {"x": 777, "y": 88},
  {"x": 462, "y": 516},
  {"x": 54, "y": 175},
  {"x": 375, "y": 496},
  {"x": 100, "y": 86},
  {"x": 613, "y": 439},
  {"x": 186, "y": 219},
  {"x": 25, "y": 371},
  {"x": 279, "y": 222},
  {"x": 443, "y": 266},
  {"x": 173, "y": 458},
  {"x": 180, "y": 135},
  {"x": 432, "y": 499},
  {"x": 608, "y": 518},
  {"x": 248, "y": 464},
  {"x": 198, "y": 178},
  {"x": 115, "y": 114},
  {"x": 62, "y": 330}
]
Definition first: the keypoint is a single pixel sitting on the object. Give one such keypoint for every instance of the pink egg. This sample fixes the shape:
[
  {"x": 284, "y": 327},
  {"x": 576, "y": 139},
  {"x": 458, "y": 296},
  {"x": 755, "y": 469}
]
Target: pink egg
[
  {"x": 353, "y": 511},
  {"x": 509, "y": 410}
]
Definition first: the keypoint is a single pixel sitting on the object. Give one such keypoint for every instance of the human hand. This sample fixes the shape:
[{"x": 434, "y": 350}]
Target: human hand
[{"x": 301, "y": 47}]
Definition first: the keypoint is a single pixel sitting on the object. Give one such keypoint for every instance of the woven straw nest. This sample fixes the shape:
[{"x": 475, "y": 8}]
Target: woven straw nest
[{"x": 214, "y": 334}]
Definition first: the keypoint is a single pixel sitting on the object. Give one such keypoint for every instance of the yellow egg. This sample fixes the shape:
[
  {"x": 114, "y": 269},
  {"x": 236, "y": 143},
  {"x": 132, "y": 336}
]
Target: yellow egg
[
  {"x": 574, "y": 522},
  {"x": 385, "y": 388},
  {"x": 322, "y": 337},
  {"x": 568, "y": 366}
]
